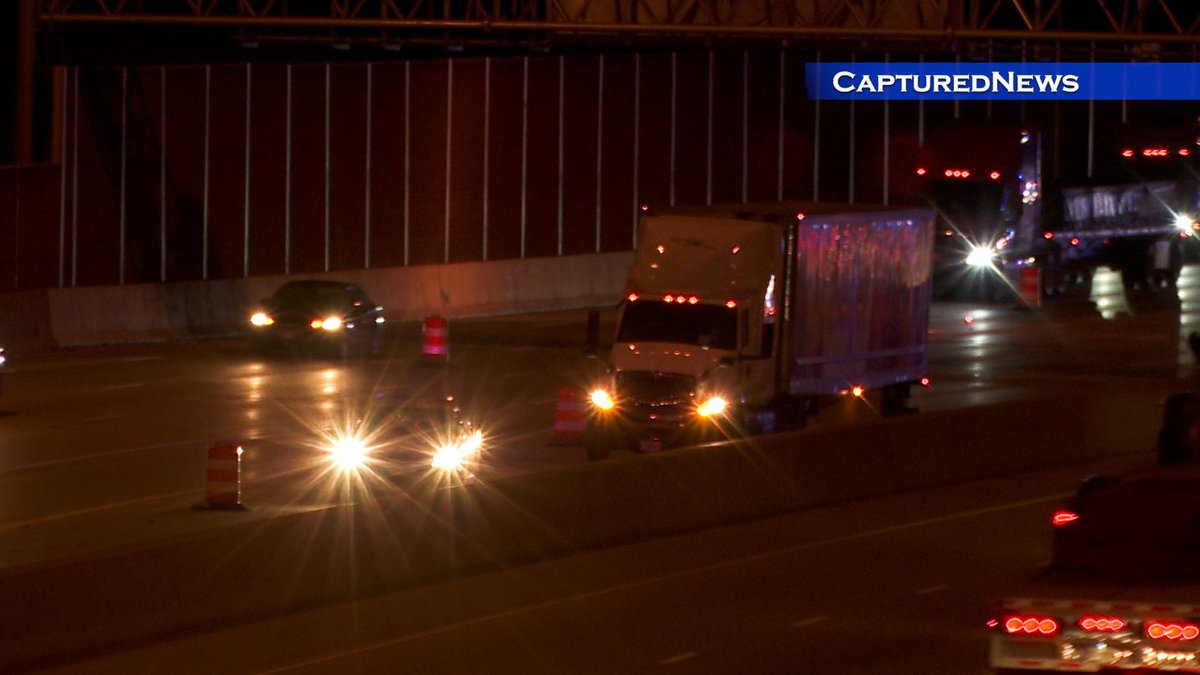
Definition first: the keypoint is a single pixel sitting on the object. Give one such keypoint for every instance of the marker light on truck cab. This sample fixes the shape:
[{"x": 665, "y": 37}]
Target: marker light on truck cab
[{"x": 1063, "y": 517}]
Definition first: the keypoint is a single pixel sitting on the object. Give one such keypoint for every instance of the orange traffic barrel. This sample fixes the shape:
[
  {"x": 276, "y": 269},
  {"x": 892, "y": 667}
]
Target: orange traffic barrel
[
  {"x": 436, "y": 344},
  {"x": 1031, "y": 286},
  {"x": 224, "y": 476},
  {"x": 570, "y": 416}
]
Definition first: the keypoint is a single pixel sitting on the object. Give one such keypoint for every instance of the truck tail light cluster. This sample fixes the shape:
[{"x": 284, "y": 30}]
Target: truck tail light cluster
[
  {"x": 1102, "y": 624},
  {"x": 681, "y": 299},
  {"x": 1018, "y": 624},
  {"x": 1180, "y": 631}
]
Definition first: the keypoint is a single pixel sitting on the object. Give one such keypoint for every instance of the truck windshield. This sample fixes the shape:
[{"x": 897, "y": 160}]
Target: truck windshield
[{"x": 704, "y": 325}]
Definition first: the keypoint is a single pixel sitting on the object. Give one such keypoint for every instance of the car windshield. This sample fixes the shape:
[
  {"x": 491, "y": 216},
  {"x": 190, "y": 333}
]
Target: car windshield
[
  {"x": 313, "y": 295},
  {"x": 700, "y": 324}
]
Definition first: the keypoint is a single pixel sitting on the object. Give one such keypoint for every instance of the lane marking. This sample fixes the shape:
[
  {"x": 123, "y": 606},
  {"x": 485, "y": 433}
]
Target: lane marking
[
  {"x": 16, "y": 524},
  {"x": 812, "y": 621},
  {"x": 650, "y": 581},
  {"x": 933, "y": 589},
  {"x": 100, "y": 455},
  {"x": 676, "y": 659}
]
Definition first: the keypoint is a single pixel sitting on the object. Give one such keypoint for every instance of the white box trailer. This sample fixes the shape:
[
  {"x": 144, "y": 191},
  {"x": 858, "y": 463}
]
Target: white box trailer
[{"x": 746, "y": 315}]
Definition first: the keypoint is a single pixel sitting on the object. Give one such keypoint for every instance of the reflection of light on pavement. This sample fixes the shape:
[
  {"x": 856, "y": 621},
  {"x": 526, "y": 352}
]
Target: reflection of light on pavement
[
  {"x": 330, "y": 387},
  {"x": 1108, "y": 293},
  {"x": 1189, "y": 311},
  {"x": 255, "y": 383}
]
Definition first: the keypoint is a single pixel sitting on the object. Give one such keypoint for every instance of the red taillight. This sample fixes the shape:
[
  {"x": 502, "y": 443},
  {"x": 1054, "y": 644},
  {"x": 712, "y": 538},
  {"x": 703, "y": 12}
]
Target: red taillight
[
  {"x": 1103, "y": 624},
  {"x": 1184, "y": 152},
  {"x": 921, "y": 171},
  {"x": 1181, "y": 631},
  {"x": 995, "y": 175},
  {"x": 693, "y": 300},
  {"x": 1127, "y": 152},
  {"x": 1030, "y": 625},
  {"x": 731, "y": 303},
  {"x": 1154, "y": 152},
  {"x": 926, "y": 382},
  {"x": 1074, "y": 241},
  {"x": 632, "y": 297},
  {"x": 668, "y": 298},
  {"x": 1064, "y": 518},
  {"x": 1047, "y": 235}
]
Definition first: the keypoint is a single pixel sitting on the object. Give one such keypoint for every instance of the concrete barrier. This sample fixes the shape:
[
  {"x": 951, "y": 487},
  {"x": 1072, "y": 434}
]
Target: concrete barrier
[
  {"x": 150, "y": 312},
  {"x": 66, "y": 610}
]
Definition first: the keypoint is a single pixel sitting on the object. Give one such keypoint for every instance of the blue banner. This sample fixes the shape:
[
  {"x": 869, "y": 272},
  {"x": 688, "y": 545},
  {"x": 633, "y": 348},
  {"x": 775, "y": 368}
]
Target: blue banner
[{"x": 1003, "y": 81}]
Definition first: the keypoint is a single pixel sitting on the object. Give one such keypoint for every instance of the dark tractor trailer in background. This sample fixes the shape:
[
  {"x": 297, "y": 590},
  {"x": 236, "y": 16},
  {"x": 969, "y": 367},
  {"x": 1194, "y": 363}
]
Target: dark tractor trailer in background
[{"x": 999, "y": 213}]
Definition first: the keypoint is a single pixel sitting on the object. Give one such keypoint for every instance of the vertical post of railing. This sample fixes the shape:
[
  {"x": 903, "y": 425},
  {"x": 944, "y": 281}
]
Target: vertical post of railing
[
  {"x": 367, "y": 172},
  {"x": 816, "y": 141},
  {"x": 328, "y": 239},
  {"x": 246, "y": 183},
  {"x": 287, "y": 174},
  {"x": 524, "y": 147},
  {"x": 122, "y": 215},
  {"x": 745, "y": 125},
  {"x": 637, "y": 146},
  {"x": 449, "y": 157},
  {"x": 674, "y": 103},
  {"x": 207, "y": 144},
  {"x": 562, "y": 75},
  {"x": 782, "y": 98},
  {"x": 708, "y": 175},
  {"x": 75, "y": 182},
  {"x": 407, "y": 153},
  {"x": 487, "y": 142},
  {"x": 162, "y": 174},
  {"x": 599, "y": 145}
]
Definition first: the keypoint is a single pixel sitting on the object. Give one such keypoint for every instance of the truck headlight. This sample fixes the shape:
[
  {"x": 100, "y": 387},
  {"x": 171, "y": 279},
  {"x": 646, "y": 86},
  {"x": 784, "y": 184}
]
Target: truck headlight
[
  {"x": 602, "y": 399},
  {"x": 454, "y": 456},
  {"x": 714, "y": 405},
  {"x": 980, "y": 256}
]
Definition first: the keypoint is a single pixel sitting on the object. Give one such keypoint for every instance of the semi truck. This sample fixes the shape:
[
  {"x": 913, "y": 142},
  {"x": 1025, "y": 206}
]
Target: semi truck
[
  {"x": 742, "y": 319},
  {"x": 1122, "y": 593}
]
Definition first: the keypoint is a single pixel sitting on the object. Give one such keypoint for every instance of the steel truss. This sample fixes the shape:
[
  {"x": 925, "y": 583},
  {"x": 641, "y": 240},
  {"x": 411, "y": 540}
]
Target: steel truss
[{"x": 1143, "y": 24}]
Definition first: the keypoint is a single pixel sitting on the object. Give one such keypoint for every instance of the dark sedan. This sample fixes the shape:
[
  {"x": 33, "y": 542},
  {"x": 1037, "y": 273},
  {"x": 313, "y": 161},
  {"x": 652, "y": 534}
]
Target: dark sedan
[{"x": 329, "y": 316}]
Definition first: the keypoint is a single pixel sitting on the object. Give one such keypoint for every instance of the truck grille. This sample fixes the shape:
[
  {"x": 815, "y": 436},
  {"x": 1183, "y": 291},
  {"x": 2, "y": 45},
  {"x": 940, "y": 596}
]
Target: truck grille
[{"x": 642, "y": 388}]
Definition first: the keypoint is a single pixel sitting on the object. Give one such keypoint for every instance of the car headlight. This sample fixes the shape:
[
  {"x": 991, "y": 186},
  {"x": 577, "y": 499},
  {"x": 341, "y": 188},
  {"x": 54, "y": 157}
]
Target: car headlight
[
  {"x": 714, "y": 405},
  {"x": 453, "y": 456},
  {"x": 602, "y": 400},
  {"x": 329, "y": 323},
  {"x": 261, "y": 319}
]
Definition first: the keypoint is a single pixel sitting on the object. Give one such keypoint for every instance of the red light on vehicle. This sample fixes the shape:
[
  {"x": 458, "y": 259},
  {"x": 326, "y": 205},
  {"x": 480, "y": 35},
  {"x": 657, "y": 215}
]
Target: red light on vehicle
[
  {"x": 1154, "y": 152},
  {"x": 968, "y": 319},
  {"x": 921, "y": 171},
  {"x": 1047, "y": 235},
  {"x": 1127, "y": 152},
  {"x": 858, "y": 390},
  {"x": 1030, "y": 625},
  {"x": 668, "y": 298},
  {"x": 926, "y": 382},
  {"x": 632, "y": 297},
  {"x": 645, "y": 207},
  {"x": 1184, "y": 152},
  {"x": 693, "y": 300},
  {"x": 948, "y": 173},
  {"x": 800, "y": 216},
  {"x": 731, "y": 303},
  {"x": 1181, "y": 631},
  {"x": 995, "y": 175},
  {"x": 1061, "y": 518},
  {"x": 679, "y": 299},
  {"x": 661, "y": 249},
  {"x": 1074, "y": 241},
  {"x": 1103, "y": 624}
]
